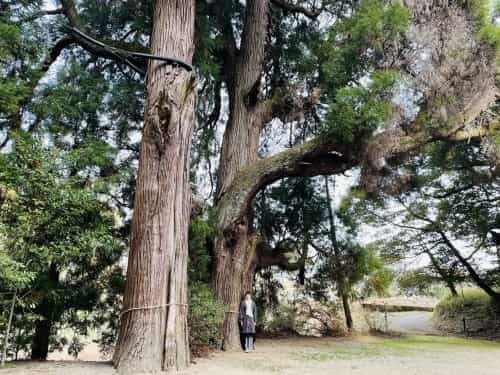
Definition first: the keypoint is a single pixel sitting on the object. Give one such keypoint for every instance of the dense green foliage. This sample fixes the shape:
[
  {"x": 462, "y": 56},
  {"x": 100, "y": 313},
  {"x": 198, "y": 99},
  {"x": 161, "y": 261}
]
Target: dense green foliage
[
  {"x": 360, "y": 97},
  {"x": 468, "y": 298},
  {"x": 59, "y": 241},
  {"x": 358, "y": 110},
  {"x": 487, "y": 29},
  {"x": 445, "y": 209},
  {"x": 424, "y": 281},
  {"x": 20, "y": 49},
  {"x": 201, "y": 234},
  {"x": 205, "y": 318}
]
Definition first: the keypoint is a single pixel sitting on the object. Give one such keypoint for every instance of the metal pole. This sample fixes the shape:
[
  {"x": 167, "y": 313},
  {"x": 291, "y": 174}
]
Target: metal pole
[
  {"x": 386, "y": 320},
  {"x": 9, "y": 324}
]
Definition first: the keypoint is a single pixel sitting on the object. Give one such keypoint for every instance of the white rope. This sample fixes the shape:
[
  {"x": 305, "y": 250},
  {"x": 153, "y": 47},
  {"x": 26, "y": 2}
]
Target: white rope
[{"x": 151, "y": 308}]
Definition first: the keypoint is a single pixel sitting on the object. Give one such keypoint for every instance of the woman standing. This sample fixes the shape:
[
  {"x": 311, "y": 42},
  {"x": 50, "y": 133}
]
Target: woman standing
[{"x": 248, "y": 319}]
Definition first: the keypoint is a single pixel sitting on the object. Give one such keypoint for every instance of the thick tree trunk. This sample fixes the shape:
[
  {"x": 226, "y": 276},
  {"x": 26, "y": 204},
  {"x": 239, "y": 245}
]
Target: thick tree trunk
[
  {"x": 239, "y": 148},
  {"x": 153, "y": 333},
  {"x": 40, "y": 345},
  {"x": 451, "y": 287},
  {"x": 242, "y": 134},
  {"x": 46, "y": 310},
  {"x": 234, "y": 274}
]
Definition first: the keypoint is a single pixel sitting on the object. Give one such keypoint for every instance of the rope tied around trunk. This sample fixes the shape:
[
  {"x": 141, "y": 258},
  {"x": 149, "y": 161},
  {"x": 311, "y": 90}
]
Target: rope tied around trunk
[{"x": 151, "y": 308}]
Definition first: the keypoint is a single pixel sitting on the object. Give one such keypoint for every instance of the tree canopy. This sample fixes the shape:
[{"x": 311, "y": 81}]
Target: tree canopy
[{"x": 104, "y": 149}]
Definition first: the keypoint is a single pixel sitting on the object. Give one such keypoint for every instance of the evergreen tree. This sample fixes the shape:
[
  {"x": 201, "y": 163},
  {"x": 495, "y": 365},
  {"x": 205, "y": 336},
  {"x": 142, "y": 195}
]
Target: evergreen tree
[
  {"x": 445, "y": 208},
  {"x": 59, "y": 241}
]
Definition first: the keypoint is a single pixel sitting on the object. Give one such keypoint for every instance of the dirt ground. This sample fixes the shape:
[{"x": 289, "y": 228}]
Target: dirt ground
[{"x": 366, "y": 355}]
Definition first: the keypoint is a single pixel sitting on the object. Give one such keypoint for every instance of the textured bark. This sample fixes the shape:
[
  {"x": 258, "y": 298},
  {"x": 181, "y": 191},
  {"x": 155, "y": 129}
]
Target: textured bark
[
  {"x": 235, "y": 250},
  {"x": 7, "y": 330},
  {"x": 153, "y": 332},
  {"x": 234, "y": 271},
  {"x": 241, "y": 137}
]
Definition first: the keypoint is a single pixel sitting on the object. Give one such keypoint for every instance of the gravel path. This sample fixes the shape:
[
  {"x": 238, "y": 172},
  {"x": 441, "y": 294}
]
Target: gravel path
[{"x": 412, "y": 322}]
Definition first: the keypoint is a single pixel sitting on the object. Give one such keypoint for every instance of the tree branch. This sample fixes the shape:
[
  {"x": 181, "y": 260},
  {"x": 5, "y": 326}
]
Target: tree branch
[
  {"x": 295, "y": 8},
  {"x": 268, "y": 256},
  {"x": 229, "y": 50},
  {"x": 109, "y": 49},
  {"x": 69, "y": 10},
  {"x": 42, "y": 13},
  {"x": 316, "y": 157},
  {"x": 54, "y": 53},
  {"x": 253, "y": 40},
  {"x": 324, "y": 156},
  {"x": 472, "y": 272}
]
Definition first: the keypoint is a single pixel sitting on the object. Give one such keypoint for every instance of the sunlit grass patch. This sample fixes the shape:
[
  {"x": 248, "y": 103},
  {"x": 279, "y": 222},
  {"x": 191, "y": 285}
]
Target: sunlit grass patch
[
  {"x": 381, "y": 346},
  {"x": 437, "y": 341},
  {"x": 7, "y": 365},
  {"x": 339, "y": 353}
]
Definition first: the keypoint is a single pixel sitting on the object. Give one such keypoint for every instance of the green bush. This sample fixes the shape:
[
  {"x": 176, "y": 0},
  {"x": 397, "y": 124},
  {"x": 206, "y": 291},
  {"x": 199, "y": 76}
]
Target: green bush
[
  {"x": 468, "y": 298},
  {"x": 480, "y": 312},
  {"x": 281, "y": 320},
  {"x": 205, "y": 318},
  {"x": 303, "y": 317}
]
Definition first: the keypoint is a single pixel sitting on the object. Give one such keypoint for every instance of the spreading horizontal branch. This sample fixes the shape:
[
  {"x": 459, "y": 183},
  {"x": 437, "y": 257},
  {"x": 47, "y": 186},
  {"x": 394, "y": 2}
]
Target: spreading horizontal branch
[
  {"x": 315, "y": 157},
  {"x": 324, "y": 156}
]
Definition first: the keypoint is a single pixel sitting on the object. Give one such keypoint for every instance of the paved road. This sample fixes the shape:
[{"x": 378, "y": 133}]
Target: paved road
[{"x": 411, "y": 322}]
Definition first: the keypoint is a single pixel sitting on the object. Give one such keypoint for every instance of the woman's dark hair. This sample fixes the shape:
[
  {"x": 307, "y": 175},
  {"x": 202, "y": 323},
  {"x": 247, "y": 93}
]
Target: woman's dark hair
[{"x": 248, "y": 294}]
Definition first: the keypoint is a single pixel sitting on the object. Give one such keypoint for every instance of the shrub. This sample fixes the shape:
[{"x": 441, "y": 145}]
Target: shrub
[
  {"x": 281, "y": 320},
  {"x": 468, "y": 298},
  {"x": 75, "y": 347},
  {"x": 480, "y": 312},
  {"x": 205, "y": 318},
  {"x": 303, "y": 317}
]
